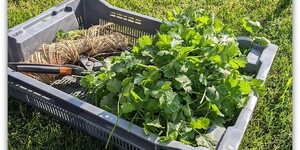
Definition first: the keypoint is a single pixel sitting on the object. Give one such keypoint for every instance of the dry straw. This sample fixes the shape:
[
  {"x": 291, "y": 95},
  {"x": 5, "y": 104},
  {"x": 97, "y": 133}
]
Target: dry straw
[{"x": 94, "y": 41}]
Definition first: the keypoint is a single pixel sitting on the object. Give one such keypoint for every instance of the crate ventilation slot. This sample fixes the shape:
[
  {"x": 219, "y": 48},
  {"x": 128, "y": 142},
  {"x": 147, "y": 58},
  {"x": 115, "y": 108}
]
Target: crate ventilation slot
[
  {"x": 124, "y": 17},
  {"x": 131, "y": 33}
]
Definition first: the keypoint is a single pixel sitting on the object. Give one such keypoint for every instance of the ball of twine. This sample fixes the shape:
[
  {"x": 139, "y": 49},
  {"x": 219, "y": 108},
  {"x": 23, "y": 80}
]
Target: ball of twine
[{"x": 95, "y": 40}]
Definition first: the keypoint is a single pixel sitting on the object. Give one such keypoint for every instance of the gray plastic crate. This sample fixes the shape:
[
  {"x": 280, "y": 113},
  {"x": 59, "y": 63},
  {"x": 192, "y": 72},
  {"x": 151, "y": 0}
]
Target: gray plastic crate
[{"x": 24, "y": 39}]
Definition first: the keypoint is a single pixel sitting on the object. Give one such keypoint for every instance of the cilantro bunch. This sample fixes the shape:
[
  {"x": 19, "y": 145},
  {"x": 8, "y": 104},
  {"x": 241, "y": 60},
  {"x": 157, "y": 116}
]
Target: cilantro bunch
[{"x": 179, "y": 83}]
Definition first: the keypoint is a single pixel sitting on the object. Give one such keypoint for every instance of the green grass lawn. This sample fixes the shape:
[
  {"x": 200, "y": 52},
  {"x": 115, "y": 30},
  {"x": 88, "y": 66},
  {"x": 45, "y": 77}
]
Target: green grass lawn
[{"x": 271, "y": 125}]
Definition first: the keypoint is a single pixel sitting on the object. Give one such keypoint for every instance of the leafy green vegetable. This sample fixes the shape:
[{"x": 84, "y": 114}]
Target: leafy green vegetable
[
  {"x": 180, "y": 82},
  {"x": 127, "y": 107},
  {"x": 70, "y": 35},
  {"x": 251, "y": 26},
  {"x": 261, "y": 40},
  {"x": 114, "y": 85},
  {"x": 201, "y": 123}
]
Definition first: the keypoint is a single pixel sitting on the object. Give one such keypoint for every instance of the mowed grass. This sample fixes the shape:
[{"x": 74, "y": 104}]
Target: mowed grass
[{"x": 271, "y": 125}]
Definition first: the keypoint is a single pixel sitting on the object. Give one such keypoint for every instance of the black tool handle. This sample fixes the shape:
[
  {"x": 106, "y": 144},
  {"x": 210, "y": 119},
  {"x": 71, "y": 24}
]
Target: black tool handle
[{"x": 44, "y": 68}]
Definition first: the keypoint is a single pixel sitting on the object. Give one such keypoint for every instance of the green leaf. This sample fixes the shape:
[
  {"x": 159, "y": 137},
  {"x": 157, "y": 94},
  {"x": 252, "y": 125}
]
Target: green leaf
[
  {"x": 114, "y": 85},
  {"x": 176, "y": 112},
  {"x": 245, "y": 87},
  {"x": 164, "y": 139},
  {"x": 135, "y": 49},
  {"x": 212, "y": 94},
  {"x": 216, "y": 110},
  {"x": 70, "y": 35},
  {"x": 168, "y": 72},
  {"x": 257, "y": 86},
  {"x": 86, "y": 81},
  {"x": 229, "y": 51},
  {"x": 138, "y": 79},
  {"x": 242, "y": 102},
  {"x": 185, "y": 141},
  {"x": 187, "y": 98},
  {"x": 144, "y": 41},
  {"x": 218, "y": 121},
  {"x": 153, "y": 104},
  {"x": 169, "y": 102},
  {"x": 202, "y": 79},
  {"x": 197, "y": 39},
  {"x": 135, "y": 96},
  {"x": 155, "y": 123},
  {"x": 170, "y": 127},
  {"x": 208, "y": 33},
  {"x": 216, "y": 58},
  {"x": 233, "y": 78},
  {"x": 170, "y": 16},
  {"x": 185, "y": 82},
  {"x": 103, "y": 76},
  {"x": 163, "y": 41},
  {"x": 239, "y": 62},
  {"x": 188, "y": 34},
  {"x": 187, "y": 129},
  {"x": 119, "y": 67},
  {"x": 184, "y": 68},
  {"x": 209, "y": 137},
  {"x": 201, "y": 123},
  {"x": 191, "y": 134},
  {"x": 251, "y": 26},
  {"x": 173, "y": 135},
  {"x": 107, "y": 64},
  {"x": 108, "y": 102},
  {"x": 162, "y": 53},
  {"x": 166, "y": 26},
  {"x": 228, "y": 108},
  {"x": 218, "y": 25},
  {"x": 127, "y": 107},
  {"x": 186, "y": 110},
  {"x": 184, "y": 52},
  {"x": 155, "y": 94},
  {"x": 146, "y": 53},
  {"x": 166, "y": 85},
  {"x": 146, "y": 131},
  {"x": 261, "y": 40},
  {"x": 60, "y": 35},
  {"x": 127, "y": 86},
  {"x": 203, "y": 142},
  {"x": 176, "y": 40},
  {"x": 202, "y": 19}
]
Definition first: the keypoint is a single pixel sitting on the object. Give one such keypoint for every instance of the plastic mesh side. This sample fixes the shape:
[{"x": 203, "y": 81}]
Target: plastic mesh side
[
  {"x": 44, "y": 104},
  {"x": 70, "y": 85},
  {"x": 130, "y": 33}
]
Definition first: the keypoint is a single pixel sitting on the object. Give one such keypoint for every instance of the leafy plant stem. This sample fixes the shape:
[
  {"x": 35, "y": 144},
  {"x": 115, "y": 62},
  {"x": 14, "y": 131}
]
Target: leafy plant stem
[
  {"x": 131, "y": 122},
  {"x": 201, "y": 104},
  {"x": 110, "y": 134},
  {"x": 119, "y": 115},
  {"x": 140, "y": 114},
  {"x": 199, "y": 107}
]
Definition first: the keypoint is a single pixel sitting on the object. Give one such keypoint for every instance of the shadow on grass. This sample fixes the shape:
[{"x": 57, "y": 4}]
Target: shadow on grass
[{"x": 281, "y": 6}]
